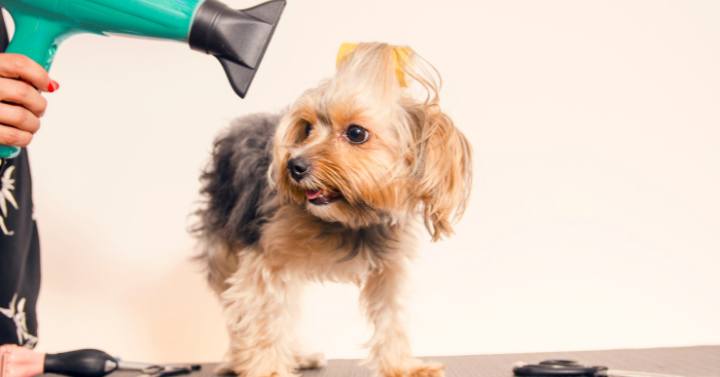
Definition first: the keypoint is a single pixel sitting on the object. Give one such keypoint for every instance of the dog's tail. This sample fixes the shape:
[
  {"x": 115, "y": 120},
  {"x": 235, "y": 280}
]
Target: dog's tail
[{"x": 237, "y": 197}]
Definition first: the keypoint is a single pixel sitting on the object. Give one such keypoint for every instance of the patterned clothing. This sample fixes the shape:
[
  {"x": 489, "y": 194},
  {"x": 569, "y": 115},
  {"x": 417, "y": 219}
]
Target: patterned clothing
[
  {"x": 19, "y": 254},
  {"x": 19, "y": 247}
]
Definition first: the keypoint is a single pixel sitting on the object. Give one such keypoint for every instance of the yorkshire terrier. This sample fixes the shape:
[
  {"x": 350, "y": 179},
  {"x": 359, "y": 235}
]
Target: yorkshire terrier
[{"x": 331, "y": 190}]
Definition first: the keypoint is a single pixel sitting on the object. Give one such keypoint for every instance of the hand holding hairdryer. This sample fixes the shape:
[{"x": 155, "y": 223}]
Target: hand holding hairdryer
[
  {"x": 21, "y": 83},
  {"x": 238, "y": 38}
]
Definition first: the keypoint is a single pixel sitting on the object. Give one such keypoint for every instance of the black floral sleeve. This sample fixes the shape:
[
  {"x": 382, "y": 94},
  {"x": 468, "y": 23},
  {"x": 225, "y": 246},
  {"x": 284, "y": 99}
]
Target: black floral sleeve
[
  {"x": 19, "y": 254},
  {"x": 19, "y": 248}
]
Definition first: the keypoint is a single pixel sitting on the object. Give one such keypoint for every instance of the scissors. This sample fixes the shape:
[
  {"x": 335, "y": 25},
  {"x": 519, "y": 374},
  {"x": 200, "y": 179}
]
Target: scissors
[
  {"x": 96, "y": 363},
  {"x": 158, "y": 370},
  {"x": 559, "y": 368},
  {"x": 571, "y": 368}
]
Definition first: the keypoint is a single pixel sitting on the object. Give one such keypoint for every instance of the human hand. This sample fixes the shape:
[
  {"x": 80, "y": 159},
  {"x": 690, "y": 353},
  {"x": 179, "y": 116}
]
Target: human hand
[
  {"x": 21, "y": 102},
  {"x": 16, "y": 361}
]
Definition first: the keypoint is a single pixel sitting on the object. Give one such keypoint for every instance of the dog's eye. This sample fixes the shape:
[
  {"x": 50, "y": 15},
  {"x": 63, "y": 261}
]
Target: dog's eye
[
  {"x": 356, "y": 134},
  {"x": 303, "y": 130}
]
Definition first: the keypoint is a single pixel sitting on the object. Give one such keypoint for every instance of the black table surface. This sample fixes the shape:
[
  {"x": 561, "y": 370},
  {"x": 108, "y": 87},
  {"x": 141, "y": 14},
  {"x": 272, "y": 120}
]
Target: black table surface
[{"x": 702, "y": 361}]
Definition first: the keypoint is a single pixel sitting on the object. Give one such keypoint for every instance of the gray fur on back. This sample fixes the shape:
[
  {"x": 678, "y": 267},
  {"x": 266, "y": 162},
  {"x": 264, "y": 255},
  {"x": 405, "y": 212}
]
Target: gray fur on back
[{"x": 235, "y": 183}]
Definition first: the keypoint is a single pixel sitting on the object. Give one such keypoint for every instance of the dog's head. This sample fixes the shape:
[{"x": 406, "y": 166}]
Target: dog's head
[{"x": 364, "y": 148}]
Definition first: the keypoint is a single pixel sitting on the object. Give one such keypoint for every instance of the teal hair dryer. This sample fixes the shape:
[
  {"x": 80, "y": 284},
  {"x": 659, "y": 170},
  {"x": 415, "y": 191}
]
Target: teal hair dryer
[{"x": 238, "y": 38}]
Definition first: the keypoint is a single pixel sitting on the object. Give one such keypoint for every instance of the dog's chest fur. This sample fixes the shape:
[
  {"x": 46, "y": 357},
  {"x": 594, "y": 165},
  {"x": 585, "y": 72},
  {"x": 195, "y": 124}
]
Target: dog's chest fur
[{"x": 297, "y": 241}]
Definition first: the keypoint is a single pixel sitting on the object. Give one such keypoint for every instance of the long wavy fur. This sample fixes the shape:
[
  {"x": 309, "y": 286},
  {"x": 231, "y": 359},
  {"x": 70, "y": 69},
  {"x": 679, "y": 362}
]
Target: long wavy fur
[{"x": 237, "y": 197}]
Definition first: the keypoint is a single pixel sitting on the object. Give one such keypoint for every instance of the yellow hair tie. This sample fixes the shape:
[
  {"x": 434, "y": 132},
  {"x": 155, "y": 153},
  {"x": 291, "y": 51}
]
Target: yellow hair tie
[{"x": 400, "y": 57}]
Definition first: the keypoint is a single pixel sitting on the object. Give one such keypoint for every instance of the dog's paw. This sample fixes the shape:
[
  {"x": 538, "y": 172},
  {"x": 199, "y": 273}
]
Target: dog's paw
[
  {"x": 224, "y": 369},
  {"x": 420, "y": 370},
  {"x": 312, "y": 361},
  {"x": 428, "y": 370},
  {"x": 227, "y": 369}
]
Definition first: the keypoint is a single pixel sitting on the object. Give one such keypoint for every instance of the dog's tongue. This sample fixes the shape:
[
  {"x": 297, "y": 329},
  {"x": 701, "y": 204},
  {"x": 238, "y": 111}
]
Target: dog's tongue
[{"x": 313, "y": 194}]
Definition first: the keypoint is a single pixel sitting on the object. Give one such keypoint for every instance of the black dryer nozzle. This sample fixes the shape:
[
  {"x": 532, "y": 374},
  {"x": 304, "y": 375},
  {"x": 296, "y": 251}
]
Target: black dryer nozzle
[{"x": 238, "y": 38}]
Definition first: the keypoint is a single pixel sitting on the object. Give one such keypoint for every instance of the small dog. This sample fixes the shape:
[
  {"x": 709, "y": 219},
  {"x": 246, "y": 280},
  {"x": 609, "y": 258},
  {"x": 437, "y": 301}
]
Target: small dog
[{"x": 331, "y": 190}]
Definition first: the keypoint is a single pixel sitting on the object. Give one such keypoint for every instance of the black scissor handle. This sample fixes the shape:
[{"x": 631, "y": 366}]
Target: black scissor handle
[
  {"x": 81, "y": 363},
  {"x": 559, "y": 368}
]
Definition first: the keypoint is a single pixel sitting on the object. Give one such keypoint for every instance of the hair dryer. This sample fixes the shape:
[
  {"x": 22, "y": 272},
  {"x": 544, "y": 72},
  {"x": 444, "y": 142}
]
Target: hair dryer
[{"x": 238, "y": 38}]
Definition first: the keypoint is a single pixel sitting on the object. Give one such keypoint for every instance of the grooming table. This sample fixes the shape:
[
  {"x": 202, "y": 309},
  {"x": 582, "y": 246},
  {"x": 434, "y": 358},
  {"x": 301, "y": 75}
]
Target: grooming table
[{"x": 687, "y": 361}]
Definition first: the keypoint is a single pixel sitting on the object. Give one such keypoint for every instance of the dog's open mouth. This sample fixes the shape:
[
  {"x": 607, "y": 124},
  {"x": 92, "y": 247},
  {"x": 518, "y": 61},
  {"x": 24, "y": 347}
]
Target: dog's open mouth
[{"x": 322, "y": 197}]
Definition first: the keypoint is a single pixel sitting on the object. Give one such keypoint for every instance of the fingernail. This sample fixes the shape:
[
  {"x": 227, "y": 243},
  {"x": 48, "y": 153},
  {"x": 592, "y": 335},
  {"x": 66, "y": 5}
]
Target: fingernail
[{"x": 53, "y": 86}]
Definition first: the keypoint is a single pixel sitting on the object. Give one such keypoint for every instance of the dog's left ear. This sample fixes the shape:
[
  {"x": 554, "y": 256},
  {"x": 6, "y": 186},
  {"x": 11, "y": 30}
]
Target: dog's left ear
[
  {"x": 441, "y": 155},
  {"x": 443, "y": 171}
]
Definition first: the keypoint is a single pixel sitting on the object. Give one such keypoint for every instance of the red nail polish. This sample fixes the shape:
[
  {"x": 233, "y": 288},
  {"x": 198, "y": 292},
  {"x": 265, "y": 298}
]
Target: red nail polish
[{"x": 53, "y": 86}]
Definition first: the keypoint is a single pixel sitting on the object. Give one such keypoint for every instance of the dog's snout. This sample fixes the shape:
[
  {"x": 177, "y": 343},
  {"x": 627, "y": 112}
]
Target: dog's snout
[{"x": 299, "y": 168}]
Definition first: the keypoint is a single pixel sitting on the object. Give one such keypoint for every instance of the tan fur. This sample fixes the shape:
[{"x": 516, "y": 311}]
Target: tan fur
[{"x": 415, "y": 164}]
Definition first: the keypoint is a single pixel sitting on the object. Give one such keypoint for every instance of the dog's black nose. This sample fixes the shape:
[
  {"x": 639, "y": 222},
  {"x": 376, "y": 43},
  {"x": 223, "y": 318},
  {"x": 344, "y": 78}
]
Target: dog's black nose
[{"x": 298, "y": 167}]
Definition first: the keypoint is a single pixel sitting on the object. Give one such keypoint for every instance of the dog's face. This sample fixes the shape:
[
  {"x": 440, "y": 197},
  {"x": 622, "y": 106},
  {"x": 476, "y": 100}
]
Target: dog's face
[{"x": 359, "y": 150}]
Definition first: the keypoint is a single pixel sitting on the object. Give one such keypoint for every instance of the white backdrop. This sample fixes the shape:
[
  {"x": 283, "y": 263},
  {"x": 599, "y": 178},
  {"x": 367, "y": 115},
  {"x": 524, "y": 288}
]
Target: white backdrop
[{"x": 594, "y": 223}]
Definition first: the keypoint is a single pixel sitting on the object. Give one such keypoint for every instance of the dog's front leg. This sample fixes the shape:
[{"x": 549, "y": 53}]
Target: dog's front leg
[
  {"x": 390, "y": 351},
  {"x": 259, "y": 306}
]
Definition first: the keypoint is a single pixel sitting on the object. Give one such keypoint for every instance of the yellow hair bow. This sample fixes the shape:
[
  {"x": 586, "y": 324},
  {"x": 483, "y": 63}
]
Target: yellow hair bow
[{"x": 400, "y": 57}]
